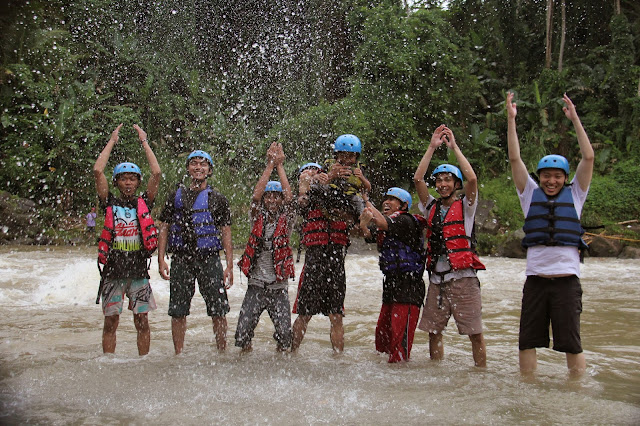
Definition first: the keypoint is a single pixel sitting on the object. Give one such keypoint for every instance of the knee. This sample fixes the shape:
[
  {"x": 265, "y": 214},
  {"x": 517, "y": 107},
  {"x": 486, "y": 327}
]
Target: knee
[
  {"x": 111, "y": 323},
  {"x": 141, "y": 322},
  {"x": 476, "y": 338}
]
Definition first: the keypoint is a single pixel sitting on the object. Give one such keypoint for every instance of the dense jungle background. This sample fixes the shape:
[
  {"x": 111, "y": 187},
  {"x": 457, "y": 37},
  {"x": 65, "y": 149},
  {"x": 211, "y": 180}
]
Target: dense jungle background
[{"x": 231, "y": 77}]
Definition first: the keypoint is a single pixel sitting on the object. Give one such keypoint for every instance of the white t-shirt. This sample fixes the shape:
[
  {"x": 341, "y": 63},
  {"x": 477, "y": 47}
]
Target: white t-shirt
[
  {"x": 442, "y": 264},
  {"x": 553, "y": 260}
]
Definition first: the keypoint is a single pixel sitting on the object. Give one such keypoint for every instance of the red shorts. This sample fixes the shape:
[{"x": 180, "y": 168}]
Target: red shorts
[{"x": 395, "y": 330}]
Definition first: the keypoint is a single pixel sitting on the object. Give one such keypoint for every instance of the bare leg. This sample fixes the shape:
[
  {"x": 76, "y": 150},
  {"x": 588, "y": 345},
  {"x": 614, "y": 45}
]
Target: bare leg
[
  {"x": 337, "y": 332},
  {"x": 178, "y": 330},
  {"x": 528, "y": 361},
  {"x": 479, "y": 350},
  {"x": 299, "y": 329},
  {"x": 141, "y": 321},
  {"x": 109, "y": 334},
  {"x": 220, "y": 331},
  {"x": 436, "y": 347},
  {"x": 577, "y": 364}
]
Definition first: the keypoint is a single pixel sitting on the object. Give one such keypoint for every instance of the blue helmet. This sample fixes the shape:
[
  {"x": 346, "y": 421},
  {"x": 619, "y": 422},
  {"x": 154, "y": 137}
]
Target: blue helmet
[
  {"x": 347, "y": 143},
  {"x": 553, "y": 162},
  {"x": 126, "y": 168},
  {"x": 400, "y": 194},
  {"x": 200, "y": 154},
  {"x": 273, "y": 186},
  {"x": 306, "y": 166},
  {"x": 448, "y": 168}
]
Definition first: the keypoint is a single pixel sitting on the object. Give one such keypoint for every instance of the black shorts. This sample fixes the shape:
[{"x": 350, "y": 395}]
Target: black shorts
[
  {"x": 182, "y": 286},
  {"x": 324, "y": 284},
  {"x": 551, "y": 300}
]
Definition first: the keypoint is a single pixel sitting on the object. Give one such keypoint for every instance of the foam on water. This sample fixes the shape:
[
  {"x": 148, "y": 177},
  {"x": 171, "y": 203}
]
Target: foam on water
[{"x": 53, "y": 370}]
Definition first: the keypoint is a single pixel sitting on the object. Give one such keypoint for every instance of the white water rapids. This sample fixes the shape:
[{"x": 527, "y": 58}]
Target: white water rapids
[{"x": 52, "y": 370}]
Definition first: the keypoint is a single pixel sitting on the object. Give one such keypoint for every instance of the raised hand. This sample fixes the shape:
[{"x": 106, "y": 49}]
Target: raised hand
[
  {"x": 449, "y": 139},
  {"x": 142, "y": 135},
  {"x": 114, "y": 135},
  {"x": 569, "y": 109},
  {"x": 511, "y": 106},
  {"x": 436, "y": 138}
]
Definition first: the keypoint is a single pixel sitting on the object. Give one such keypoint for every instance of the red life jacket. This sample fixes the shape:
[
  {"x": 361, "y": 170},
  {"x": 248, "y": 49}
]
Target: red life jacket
[
  {"x": 147, "y": 228},
  {"x": 282, "y": 254},
  {"x": 318, "y": 230},
  {"x": 450, "y": 238}
]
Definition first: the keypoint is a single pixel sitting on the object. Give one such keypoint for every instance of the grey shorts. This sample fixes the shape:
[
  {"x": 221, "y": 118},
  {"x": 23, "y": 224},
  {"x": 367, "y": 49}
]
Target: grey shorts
[
  {"x": 256, "y": 301},
  {"x": 459, "y": 297}
]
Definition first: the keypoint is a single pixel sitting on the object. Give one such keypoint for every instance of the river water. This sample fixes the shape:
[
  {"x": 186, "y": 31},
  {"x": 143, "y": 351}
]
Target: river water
[{"x": 53, "y": 371}]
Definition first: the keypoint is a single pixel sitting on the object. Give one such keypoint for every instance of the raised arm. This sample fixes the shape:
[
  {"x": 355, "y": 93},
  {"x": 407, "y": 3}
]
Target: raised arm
[
  {"x": 258, "y": 191},
  {"x": 584, "y": 171},
  {"x": 418, "y": 177},
  {"x": 518, "y": 168},
  {"x": 102, "y": 185},
  {"x": 376, "y": 216},
  {"x": 471, "y": 185},
  {"x": 282, "y": 175},
  {"x": 156, "y": 174}
]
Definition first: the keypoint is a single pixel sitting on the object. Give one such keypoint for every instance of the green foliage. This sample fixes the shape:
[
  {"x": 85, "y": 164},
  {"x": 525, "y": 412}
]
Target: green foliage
[
  {"x": 502, "y": 192},
  {"x": 614, "y": 198},
  {"x": 231, "y": 77}
]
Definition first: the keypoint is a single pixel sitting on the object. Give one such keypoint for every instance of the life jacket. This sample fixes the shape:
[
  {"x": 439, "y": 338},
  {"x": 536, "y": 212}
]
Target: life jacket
[
  {"x": 449, "y": 237},
  {"x": 147, "y": 231},
  {"x": 396, "y": 256},
  {"x": 282, "y": 254},
  {"x": 194, "y": 225},
  {"x": 553, "y": 222},
  {"x": 318, "y": 230}
]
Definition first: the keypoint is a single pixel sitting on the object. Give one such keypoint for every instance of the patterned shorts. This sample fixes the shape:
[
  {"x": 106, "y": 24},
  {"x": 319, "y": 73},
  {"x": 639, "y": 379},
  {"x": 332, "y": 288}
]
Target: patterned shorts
[{"x": 137, "y": 290}]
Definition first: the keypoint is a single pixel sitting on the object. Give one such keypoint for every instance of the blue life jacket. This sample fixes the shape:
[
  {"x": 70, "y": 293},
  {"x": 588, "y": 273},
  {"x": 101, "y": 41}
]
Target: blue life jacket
[
  {"x": 195, "y": 226},
  {"x": 553, "y": 222},
  {"x": 398, "y": 257}
]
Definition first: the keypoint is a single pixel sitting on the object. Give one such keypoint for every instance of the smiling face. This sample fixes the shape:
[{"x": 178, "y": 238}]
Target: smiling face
[
  {"x": 127, "y": 184},
  {"x": 391, "y": 204},
  {"x": 199, "y": 169},
  {"x": 272, "y": 201},
  {"x": 446, "y": 184},
  {"x": 552, "y": 181},
  {"x": 346, "y": 158}
]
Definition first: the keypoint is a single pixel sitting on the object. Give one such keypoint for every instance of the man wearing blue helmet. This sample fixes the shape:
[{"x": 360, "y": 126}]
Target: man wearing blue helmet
[
  {"x": 346, "y": 183},
  {"x": 402, "y": 259},
  {"x": 127, "y": 241},
  {"x": 196, "y": 225},
  {"x": 329, "y": 203},
  {"x": 452, "y": 262},
  {"x": 267, "y": 260},
  {"x": 552, "y": 208}
]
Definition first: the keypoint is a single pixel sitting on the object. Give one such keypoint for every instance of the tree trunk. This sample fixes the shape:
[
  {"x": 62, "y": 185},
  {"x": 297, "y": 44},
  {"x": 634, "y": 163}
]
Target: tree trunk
[
  {"x": 549, "y": 33},
  {"x": 617, "y": 7},
  {"x": 563, "y": 34}
]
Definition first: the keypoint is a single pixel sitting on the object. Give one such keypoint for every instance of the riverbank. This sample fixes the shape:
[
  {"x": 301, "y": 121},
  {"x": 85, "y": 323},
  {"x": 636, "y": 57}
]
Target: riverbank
[{"x": 23, "y": 223}]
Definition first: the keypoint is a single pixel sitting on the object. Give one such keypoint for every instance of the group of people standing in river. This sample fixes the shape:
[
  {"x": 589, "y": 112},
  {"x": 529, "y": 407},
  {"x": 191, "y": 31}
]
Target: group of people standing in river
[{"x": 333, "y": 204}]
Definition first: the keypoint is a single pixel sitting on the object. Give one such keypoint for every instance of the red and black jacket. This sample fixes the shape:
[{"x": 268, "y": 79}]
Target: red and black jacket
[{"x": 282, "y": 254}]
